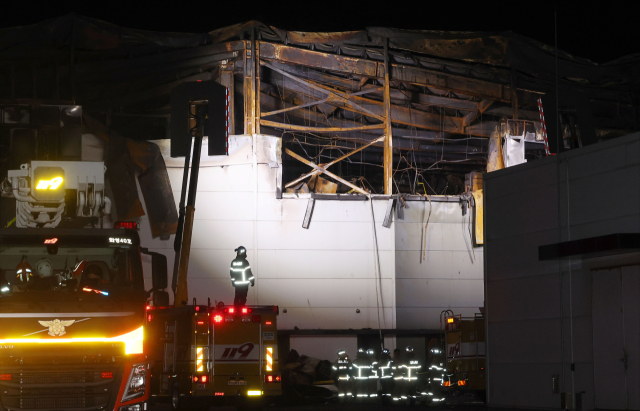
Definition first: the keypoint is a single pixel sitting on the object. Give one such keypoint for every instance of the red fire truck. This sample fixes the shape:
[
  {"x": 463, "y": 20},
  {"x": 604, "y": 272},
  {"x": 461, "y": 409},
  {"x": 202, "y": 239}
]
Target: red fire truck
[{"x": 214, "y": 355}]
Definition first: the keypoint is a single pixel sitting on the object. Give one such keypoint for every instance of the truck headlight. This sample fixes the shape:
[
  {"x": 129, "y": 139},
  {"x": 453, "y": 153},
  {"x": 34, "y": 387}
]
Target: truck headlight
[{"x": 137, "y": 382}]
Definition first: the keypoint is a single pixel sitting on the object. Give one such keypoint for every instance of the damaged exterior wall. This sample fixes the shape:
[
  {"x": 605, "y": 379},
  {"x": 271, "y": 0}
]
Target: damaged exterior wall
[
  {"x": 430, "y": 90},
  {"x": 321, "y": 275}
]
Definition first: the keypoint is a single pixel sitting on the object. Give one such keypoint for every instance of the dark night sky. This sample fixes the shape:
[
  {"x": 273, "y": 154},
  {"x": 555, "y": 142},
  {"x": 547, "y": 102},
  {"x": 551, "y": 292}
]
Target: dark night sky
[{"x": 601, "y": 32}]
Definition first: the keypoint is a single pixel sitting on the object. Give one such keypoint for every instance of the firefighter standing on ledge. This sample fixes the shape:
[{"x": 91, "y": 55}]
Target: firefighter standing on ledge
[{"x": 241, "y": 276}]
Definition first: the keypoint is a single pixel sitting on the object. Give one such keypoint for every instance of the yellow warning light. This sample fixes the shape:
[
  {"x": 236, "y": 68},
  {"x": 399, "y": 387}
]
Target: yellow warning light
[
  {"x": 199, "y": 358},
  {"x": 269, "y": 358},
  {"x": 49, "y": 184},
  {"x": 450, "y": 320},
  {"x": 254, "y": 392}
]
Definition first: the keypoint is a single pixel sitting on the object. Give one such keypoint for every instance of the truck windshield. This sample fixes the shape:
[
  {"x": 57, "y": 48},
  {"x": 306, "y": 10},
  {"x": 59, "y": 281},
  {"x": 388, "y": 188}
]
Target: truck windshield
[{"x": 101, "y": 271}]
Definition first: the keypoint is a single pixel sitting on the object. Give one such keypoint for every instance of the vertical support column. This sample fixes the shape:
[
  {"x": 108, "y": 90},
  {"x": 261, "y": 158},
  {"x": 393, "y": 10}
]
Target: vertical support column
[
  {"x": 227, "y": 80},
  {"x": 247, "y": 88},
  {"x": 250, "y": 85},
  {"x": 388, "y": 141},
  {"x": 256, "y": 89},
  {"x": 514, "y": 94}
]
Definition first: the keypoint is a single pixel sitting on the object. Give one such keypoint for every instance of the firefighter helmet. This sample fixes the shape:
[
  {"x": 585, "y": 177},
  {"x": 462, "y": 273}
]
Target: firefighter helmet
[
  {"x": 241, "y": 251},
  {"x": 44, "y": 268},
  {"x": 370, "y": 352},
  {"x": 341, "y": 353},
  {"x": 409, "y": 349},
  {"x": 385, "y": 351},
  {"x": 24, "y": 270}
]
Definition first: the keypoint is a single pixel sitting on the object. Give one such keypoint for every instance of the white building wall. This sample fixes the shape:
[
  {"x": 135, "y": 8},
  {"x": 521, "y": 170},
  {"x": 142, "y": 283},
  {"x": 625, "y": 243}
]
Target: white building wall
[
  {"x": 451, "y": 274},
  {"x": 320, "y": 275},
  {"x": 529, "y": 336}
]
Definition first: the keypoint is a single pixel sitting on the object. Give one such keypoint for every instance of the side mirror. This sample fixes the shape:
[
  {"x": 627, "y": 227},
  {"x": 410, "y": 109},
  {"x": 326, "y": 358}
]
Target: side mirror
[{"x": 159, "y": 271}]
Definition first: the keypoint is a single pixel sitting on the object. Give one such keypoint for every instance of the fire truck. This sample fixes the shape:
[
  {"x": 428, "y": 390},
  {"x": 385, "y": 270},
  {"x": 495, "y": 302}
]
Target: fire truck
[
  {"x": 214, "y": 355},
  {"x": 72, "y": 296},
  {"x": 465, "y": 353},
  {"x": 72, "y": 313}
]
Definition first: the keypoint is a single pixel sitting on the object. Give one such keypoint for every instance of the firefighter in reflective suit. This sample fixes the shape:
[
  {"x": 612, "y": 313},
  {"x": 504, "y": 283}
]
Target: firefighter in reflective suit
[
  {"x": 241, "y": 276},
  {"x": 385, "y": 373},
  {"x": 436, "y": 375},
  {"x": 412, "y": 367},
  {"x": 372, "y": 386},
  {"x": 361, "y": 370},
  {"x": 342, "y": 370}
]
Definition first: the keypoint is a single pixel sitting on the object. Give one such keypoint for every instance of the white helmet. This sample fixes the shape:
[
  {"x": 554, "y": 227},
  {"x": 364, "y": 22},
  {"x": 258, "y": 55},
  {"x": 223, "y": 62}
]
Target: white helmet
[{"x": 44, "y": 268}]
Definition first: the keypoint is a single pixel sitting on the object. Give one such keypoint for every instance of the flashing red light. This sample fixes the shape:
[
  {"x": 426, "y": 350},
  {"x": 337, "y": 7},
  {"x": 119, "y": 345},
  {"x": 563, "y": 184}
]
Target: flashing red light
[
  {"x": 245, "y": 310},
  {"x": 200, "y": 322},
  {"x": 197, "y": 308},
  {"x": 219, "y": 394},
  {"x": 217, "y": 318},
  {"x": 5, "y": 377},
  {"x": 149, "y": 307},
  {"x": 231, "y": 310},
  {"x": 149, "y": 318},
  {"x": 51, "y": 241},
  {"x": 106, "y": 374},
  {"x": 268, "y": 323},
  {"x": 271, "y": 378},
  {"x": 127, "y": 225},
  {"x": 204, "y": 379}
]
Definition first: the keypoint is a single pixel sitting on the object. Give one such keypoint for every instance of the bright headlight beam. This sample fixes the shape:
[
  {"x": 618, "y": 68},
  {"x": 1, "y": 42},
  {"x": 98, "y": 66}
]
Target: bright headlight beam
[{"x": 132, "y": 340}]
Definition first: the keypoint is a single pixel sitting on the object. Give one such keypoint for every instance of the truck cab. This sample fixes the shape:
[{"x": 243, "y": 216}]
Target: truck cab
[{"x": 72, "y": 320}]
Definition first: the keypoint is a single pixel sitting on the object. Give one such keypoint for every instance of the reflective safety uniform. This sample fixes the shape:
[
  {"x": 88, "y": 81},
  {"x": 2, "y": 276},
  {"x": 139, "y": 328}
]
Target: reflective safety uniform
[
  {"x": 398, "y": 370},
  {"x": 436, "y": 377},
  {"x": 385, "y": 373},
  {"x": 241, "y": 277},
  {"x": 342, "y": 375},
  {"x": 361, "y": 372},
  {"x": 412, "y": 367},
  {"x": 372, "y": 386}
]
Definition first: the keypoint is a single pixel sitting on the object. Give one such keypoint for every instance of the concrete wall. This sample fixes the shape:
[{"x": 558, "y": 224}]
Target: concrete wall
[
  {"x": 320, "y": 275},
  {"x": 451, "y": 274},
  {"x": 323, "y": 274},
  {"x": 528, "y": 301}
]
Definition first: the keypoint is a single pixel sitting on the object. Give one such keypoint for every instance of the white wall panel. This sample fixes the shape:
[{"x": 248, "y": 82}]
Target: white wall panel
[
  {"x": 451, "y": 275},
  {"x": 439, "y": 264},
  {"x": 342, "y": 293},
  {"x": 342, "y": 264},
  {"x": 289, "y": 235},
  {"x": 333, "y": 318}
]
